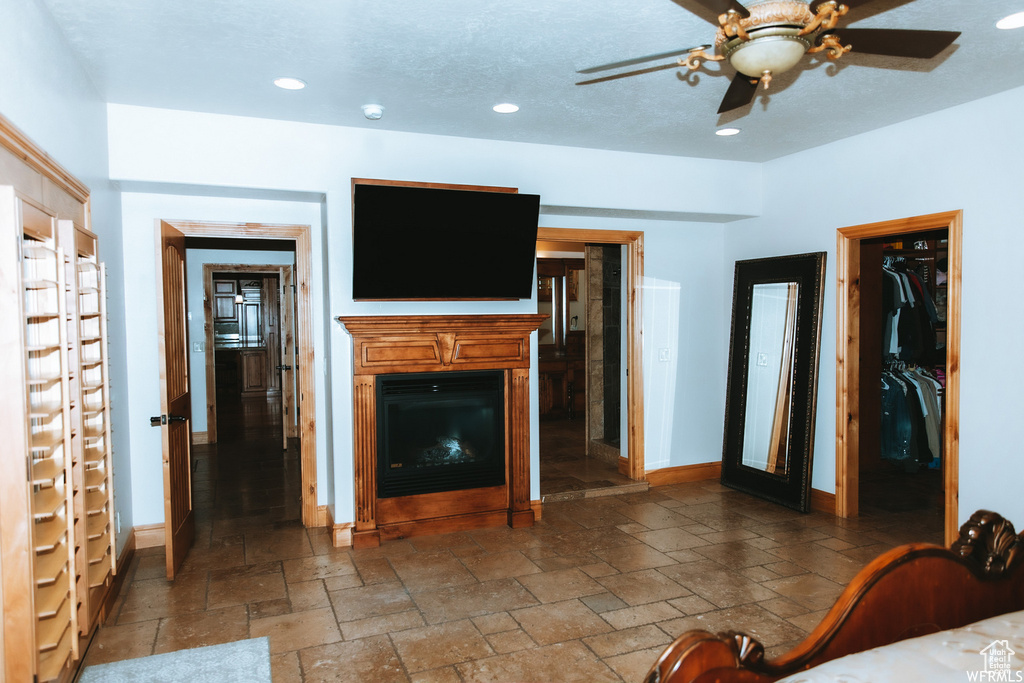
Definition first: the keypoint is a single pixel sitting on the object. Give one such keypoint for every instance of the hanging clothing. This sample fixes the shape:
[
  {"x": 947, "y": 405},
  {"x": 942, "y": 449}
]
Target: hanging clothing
[
  {"x": 908, "y": 331},
  {"x": 911, "y": 429}
]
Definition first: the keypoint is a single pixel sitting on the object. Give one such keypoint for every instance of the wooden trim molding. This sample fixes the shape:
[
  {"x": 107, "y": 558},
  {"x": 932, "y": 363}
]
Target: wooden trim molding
[
  {"x": 538, "y": 508},
  {"x": 21, "y": 146},
  {"x": 822, "y": 501},
  {"x": 848, "y": 355},
  {"x": 681, "y": 474},
  {"x": 341, "y": 534},
  {"x": 200, "y": 438},
  {"x": 149, "y": 535},
  {"x": 384, "y": 345},
  {"x": 304, "y": 324},
  {"x": 634, "y": 240}
]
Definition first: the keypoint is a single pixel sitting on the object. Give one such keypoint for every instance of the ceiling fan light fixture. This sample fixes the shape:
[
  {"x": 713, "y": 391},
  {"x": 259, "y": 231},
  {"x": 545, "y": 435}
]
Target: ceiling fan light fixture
[
  {"x": 776, "y": 50},
  {"x": 1012, "y": 21}
]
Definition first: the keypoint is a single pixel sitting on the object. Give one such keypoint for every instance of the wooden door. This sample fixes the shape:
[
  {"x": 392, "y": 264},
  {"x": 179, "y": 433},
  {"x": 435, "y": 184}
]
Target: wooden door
[
  {"x": 175, "y": 402},
  {"x": 286, "y": 299}
]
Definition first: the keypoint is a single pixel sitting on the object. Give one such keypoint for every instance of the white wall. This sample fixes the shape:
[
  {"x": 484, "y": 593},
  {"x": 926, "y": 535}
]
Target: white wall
[
  {"x": 45, "y": 93},
  {"x": 683, "y": 299},
  {"x": 966, "y": 157},
  {"x": 195, "y": 259},
  {"x": 141, "y": 211}
]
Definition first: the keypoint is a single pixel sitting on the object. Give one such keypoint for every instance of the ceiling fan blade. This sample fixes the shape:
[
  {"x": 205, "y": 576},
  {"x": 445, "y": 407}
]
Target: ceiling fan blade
[
  {"x": 896, "y": 42},
  {"x": 641, "y": 60},
  {"x": 626, "y": 74},
  {"x": 723, "y": 6},
  {"x": 740, "y": 93}
]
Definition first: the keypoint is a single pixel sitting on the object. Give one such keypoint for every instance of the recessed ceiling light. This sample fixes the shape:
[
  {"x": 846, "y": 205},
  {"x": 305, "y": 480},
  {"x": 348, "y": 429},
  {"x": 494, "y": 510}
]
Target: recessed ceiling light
[
  {"x": 290, "y": 83},
  {"x": 725, "y": 132},
  {"x": 1012, "y": 21},
  {"x": 506, "y": 108}
]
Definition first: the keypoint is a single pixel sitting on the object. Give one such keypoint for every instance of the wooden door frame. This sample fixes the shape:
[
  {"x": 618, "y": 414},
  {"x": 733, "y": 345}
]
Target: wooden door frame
[
  {"x": 211, "y": 375},
  {"x": 633, "y": 239},
  {"x": 848, "y": 358},
  {"x": 312, "y": 514}
]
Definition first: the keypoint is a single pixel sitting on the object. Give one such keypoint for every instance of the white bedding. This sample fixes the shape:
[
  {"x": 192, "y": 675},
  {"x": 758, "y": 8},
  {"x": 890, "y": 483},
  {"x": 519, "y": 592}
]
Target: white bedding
[{"x": 987, "y": 651}]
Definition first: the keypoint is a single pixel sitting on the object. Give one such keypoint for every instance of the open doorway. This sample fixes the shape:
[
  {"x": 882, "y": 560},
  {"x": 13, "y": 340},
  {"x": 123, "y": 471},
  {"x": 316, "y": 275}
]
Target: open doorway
[
  {"x": 246, "y": 469},
  {"x": 591, "y": 436},
  {"x": 249, "y": 324},
  {"x": 295, "y": 239},
  {"x": 887, "y": 346}
]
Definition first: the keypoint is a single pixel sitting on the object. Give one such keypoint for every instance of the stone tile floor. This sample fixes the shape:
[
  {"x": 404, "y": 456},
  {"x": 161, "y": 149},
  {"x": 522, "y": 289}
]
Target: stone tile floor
[
  {"x": 565, "y": 470},
  {"x": 593, "y": 592}
]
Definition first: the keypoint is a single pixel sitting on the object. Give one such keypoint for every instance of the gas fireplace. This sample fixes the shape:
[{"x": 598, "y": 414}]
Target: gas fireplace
[
  {"x": 439, "y": 432},
  {"x": 441, "y": 408}
]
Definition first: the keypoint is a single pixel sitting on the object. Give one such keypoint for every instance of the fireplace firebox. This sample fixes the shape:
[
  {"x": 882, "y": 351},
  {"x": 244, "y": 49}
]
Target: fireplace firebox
[{"x": 439, "y": 432}]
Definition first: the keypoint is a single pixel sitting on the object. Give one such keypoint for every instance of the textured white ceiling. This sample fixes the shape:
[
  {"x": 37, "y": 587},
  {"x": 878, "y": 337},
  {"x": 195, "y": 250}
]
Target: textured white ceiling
[{"x": 439, "y": 67}]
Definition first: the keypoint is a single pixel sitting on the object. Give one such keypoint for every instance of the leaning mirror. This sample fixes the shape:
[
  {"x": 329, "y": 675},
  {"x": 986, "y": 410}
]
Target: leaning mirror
[{"x": 773, "y": 377}]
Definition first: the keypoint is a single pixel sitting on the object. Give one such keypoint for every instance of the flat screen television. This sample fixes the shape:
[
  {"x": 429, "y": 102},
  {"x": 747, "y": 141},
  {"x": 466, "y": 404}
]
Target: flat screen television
[{"x": 423, "y": 243}]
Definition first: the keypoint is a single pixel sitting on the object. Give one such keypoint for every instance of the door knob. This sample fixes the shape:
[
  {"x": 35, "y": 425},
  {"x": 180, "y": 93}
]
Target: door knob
[
  {"x": 284, "y": 367},
  {"x": 158, "y": 420}
]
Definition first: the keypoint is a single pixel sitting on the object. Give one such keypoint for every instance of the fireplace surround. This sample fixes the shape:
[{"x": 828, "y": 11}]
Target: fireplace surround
[{"x": 387, "y": 347}]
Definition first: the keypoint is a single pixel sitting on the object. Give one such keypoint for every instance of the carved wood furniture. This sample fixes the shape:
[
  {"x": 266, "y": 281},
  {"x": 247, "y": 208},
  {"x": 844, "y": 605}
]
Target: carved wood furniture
[
  {"x": 403, "y": 344},
  {"x": 910, "y": 591}
]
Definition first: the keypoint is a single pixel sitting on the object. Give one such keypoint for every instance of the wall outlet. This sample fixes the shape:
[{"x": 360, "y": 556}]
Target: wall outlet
[
  {"x": 762, "y": 359},
  {"x": 198, "y": 347},
  {"x": 664, "y": 355}
]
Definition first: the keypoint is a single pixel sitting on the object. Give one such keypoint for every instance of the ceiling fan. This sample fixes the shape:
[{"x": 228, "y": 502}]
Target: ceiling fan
[{"x": 767, "y": 37}]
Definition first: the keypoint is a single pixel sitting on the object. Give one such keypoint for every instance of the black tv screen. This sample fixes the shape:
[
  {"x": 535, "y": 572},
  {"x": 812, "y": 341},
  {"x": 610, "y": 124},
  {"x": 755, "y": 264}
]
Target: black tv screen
[{"x": 414, "y": 243}]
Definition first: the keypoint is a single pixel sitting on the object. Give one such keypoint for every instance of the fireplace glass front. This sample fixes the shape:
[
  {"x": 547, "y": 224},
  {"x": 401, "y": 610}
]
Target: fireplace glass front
[{"x": 440, "y": 431}]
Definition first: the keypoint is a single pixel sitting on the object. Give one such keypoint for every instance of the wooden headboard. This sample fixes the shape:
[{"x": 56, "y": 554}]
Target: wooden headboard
[{"x": 909, "y": 591}]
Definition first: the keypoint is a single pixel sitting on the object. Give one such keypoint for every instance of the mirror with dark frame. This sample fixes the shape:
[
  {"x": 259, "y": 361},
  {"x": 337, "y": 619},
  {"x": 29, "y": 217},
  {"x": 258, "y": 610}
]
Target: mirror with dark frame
[{"x": 773, "y": 377}]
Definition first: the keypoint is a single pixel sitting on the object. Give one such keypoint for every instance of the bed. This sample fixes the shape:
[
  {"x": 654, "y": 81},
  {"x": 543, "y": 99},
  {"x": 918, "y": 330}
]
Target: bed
[{"x": 970, "y": 595}]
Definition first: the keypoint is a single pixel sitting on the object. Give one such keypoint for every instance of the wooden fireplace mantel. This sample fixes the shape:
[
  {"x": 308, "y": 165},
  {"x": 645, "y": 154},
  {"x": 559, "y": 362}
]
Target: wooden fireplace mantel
[{"x": 384, "y": 345}]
